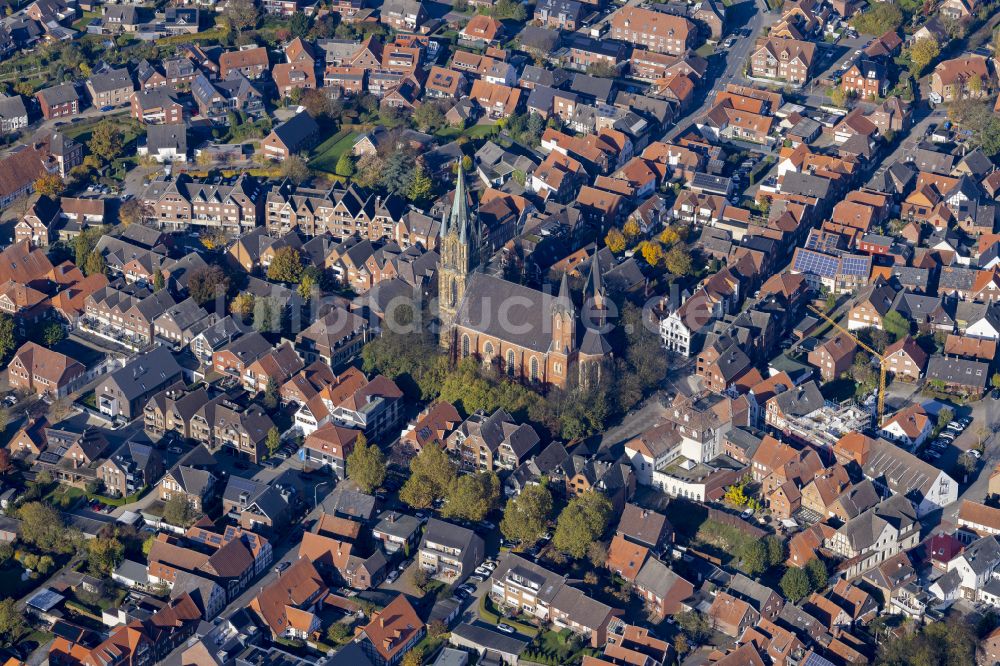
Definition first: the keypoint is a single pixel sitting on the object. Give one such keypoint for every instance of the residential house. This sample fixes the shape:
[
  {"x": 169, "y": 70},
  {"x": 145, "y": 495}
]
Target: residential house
[
  {"x": 448, "y": 551},
  {"x": 492, "y": 442},
  {"x": 37, "y": 369}
]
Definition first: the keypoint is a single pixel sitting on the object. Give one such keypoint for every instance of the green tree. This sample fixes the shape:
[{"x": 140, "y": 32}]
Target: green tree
[
  {"x": 415, "y": 657},
  {"x": 366, "y": 465},
  {"x": 299, "y": 25},
  {"x": 286, "y": 265},
  {"x": 472, "y": 496},
  {"x": 95, "y": 264},
  {"x": 896, "y": 325},
  {"x": 53, "y": 335},
  {"x": 878, "y": 20},
  {"x": 8, "y": 340},
  {"x": 265, "y": 319},
  {"x": 345, "y": 165},
  {"x": 526, "y": 516},
  {"x": 678, "y": 261},
  {"x": 944, "y": 417},
  {"x": 431, "y": 476},
  {"x": 795, "y": 584},
  {"x": 271, "y": 394},
  {"x": 995, "y": 380},
  {"x": 206, "y": 284},
  {"x": 837, "y": 96},
  {"x": 339, "y": 633},
  {"x": 159, "y": 282},
  {"x": 12, "y": 624},
  {"x": 752, "y": 558},
  {"x": 273, "y": 440},
  {"x": 429, "y": 117},
  {"x": 775, "y": 550},
  {"x": 583, "y": 521},
  {"x": 42, "y": 527},
  {"x": 398, "y": 172},
  {"x": 951, "y": 642},
  {"x": 695, "y": 626},
  {"x": 818, "y": 575},
  {"x": 178, "y": 511},
  {"x": 104, "y": 554},
  {"x": 922, "y": 53},
  {"x": 106, "y": 141},
  {"x": 422, "y": 186}
]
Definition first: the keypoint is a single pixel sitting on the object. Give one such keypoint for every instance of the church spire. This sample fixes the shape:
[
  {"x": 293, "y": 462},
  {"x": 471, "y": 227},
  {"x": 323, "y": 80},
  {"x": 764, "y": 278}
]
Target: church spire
[
  {"x": 564, "y": 300},
  {"x": 460, "y": 206}
]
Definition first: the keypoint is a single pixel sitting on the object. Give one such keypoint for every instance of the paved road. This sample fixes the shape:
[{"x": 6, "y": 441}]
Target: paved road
[{"x": 752, "y": 15}]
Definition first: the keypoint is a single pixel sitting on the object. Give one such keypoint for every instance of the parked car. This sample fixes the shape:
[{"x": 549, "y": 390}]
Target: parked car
[
  {"x": 393, "y": 576},
  {"x": 506, "y": 628},
  {"x": 478, "y": 578},
  {"x": 460, "y": 594},
  {"x": 281, "y": 567},
  {"x": 974, "y": 453}
]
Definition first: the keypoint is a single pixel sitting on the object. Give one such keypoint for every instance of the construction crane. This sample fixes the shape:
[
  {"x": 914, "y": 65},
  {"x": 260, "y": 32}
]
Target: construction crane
[{"x": 882, "y": 360}]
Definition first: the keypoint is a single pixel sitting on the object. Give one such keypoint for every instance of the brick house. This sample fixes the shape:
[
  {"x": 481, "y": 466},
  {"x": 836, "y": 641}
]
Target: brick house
[
  {"x": 907, "y": 359},
  {"x": 833, "y": 357},
  {"x": 656, "y": 31},
  {"x": 59, "y": 101},
  {"x": 783, "y": 59},
  {"x": 37, "y": 369}
]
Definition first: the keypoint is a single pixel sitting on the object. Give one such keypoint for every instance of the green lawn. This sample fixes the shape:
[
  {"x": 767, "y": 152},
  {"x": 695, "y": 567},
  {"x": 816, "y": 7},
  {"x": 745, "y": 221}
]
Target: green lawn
[
  {"x": 11, "y": 583},
  {"x": 329, "y": 152},
  {"x": 84, "y": 20}
]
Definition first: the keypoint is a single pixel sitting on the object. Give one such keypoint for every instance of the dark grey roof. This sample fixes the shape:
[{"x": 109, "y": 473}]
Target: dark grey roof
[
  {"x": 542, "y": 39},
  {"x": 60, "y": 94},
  {"x": 448, "y": 534},
  {"x": 801, "y": 400},
  {"x": 112, "y": 79},
  {"x": 397, "y": 524},
  {"x": 977, "y": 163},
  {"x": 656, "y": 577},
  {"x": 592, "y": 86},
  {"x": 959, "y": 371},
  {"x": 12, "y": 107},
  {"x": 805, "y": 184},
  {"x": 146, "y": 372},
  {"x": 165, "y": 137},
  {"x": 523, "y": 328},
  {"x": 295, "y": 131},
  {"x": 489, "y": 639}
]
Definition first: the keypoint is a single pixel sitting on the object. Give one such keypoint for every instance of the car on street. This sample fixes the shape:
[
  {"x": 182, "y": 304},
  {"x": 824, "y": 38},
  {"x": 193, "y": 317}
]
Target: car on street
[
  {"x": 488, "y": 525},
  {"x": 995, "y": 394},
  {"x": 105, "y": 109},
  {"x": 506, "y": 628},
  {"x": 974, "y": 453},
  {"x": 392, "y": 577},
  {"x": 460, "y": 594},
  {"x": 478, "y": 578},
  {"x": 281, "y": 567}
]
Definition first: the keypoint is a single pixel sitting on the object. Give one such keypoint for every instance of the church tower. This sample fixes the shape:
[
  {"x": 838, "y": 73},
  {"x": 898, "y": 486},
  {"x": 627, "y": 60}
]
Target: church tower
[
  {"x": 563, "y": 321},
  {"x": 595, "y": 351},
  {"x": 459, "y": 257}
]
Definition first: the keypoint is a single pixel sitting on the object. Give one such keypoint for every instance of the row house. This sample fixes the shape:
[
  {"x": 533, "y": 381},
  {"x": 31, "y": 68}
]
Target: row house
[
  {"x": 543, "y": 594},
  {"x": 180, "y": 203}
]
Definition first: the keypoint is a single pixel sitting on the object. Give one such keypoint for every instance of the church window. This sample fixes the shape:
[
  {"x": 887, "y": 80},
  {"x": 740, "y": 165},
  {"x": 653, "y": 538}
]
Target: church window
[
  {"x": 465, "y": 346},
  {"x": 453, "y": 300},
  {"x": 488, "y": 350},
  {"x": 534, "y": 369},
  {"x": 558, "y": 368},
  {"x": 510, "y": 362}
]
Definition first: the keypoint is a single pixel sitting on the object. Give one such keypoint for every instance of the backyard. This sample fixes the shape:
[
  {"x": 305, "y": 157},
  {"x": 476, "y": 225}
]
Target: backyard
[{"x": 328, "y": 153}]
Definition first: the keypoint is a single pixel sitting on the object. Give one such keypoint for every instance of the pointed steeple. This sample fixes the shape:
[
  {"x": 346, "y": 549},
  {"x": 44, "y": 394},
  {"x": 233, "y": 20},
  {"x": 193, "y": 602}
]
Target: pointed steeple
[
  {"x": 596, "y": 283},
  {"x": 564, "y": 301},
  {"x": 460, "y": 207}
]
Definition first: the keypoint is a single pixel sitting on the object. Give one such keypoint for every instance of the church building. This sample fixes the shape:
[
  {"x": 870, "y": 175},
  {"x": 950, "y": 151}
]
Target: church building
[{"x": 532, "y": 335}]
